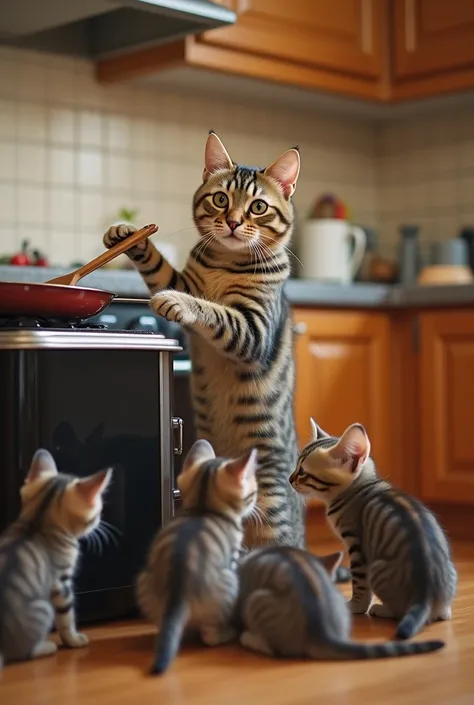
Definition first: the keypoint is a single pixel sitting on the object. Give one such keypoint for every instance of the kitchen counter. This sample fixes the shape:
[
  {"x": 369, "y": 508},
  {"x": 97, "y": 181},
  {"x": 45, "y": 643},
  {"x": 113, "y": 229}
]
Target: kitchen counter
[{"x": 300, "y": 292}]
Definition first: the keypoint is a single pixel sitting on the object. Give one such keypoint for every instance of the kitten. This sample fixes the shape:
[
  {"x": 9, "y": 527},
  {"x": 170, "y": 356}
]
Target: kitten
[
  {"x": 397, "y": 548},
  {"x": 229, "y": 298},
  {"x": 190, "y": 577},
  {"x": 288, "y": 607},
  {"x": 38, "y": 555}
]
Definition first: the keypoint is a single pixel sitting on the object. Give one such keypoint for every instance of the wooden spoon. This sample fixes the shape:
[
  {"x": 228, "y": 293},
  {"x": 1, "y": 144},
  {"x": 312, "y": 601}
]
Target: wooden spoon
[{"x": 72, "y": 278}]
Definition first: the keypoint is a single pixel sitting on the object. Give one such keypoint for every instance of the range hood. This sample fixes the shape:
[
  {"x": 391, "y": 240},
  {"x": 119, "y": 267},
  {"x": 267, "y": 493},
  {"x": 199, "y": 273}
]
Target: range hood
[{"x": 96, "y": 29}]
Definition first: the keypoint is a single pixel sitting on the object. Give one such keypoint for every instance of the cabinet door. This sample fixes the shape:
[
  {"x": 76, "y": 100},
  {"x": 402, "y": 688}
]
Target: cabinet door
[
  {"x": 447, "y": 406},
  {"x": 342, "y": 376},
  {"x": 339, "y": 36},
  {"x": 432, "y": 36}
]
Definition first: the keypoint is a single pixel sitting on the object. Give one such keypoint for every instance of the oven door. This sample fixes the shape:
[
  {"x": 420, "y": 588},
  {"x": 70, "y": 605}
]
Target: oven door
[{"x": 95, "y": 409}]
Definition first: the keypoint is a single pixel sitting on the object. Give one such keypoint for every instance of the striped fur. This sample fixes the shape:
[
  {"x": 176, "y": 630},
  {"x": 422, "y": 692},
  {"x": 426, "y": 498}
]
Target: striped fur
[
  {"x": 230, "y": 299},
  {"x": 190, "y": 579},
  {"x": 38, "y": 555},
  {"x": 396, "y": 546},
  {"x": 289, "y": 607}
]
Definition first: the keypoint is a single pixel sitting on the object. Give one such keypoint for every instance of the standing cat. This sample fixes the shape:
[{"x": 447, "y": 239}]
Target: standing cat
[
  {"x": 397, "y": 548},
  {"x": 230, "y": 299},
  {"x": 38, "y": 555},
  {"x": 190, "y": 578},
  {"x": 288, "y": 606}
]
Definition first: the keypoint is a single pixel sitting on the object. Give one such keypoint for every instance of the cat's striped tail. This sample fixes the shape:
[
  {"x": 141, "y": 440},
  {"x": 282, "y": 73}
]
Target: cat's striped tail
[
  {"x": 342, "y": 650},
  {"x": 168, "y": 638},
  {"x": 413, "y": 621}
]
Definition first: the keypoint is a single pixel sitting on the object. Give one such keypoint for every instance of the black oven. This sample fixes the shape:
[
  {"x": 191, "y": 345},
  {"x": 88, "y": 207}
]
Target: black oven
[{"x": 97, "y": 398}]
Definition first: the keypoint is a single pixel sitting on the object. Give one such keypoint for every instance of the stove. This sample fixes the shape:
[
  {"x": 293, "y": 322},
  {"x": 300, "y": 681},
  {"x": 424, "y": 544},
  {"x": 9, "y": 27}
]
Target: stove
[{"x": 99, "y": 393}]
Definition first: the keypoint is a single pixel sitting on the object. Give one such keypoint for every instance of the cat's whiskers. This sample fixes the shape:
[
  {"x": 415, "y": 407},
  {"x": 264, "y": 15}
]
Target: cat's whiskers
[{"x": 290, "y": 251}]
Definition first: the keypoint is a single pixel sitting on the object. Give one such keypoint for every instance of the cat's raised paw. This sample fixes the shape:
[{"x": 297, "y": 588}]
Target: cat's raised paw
[
  {"x": 174, "y": 306},
  {"x": 77, "y": 640},
  {"x": 118, "y": 232}
]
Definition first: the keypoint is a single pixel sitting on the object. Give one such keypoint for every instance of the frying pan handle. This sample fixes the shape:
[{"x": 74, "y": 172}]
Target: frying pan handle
[{"x": 115, "y": 251}]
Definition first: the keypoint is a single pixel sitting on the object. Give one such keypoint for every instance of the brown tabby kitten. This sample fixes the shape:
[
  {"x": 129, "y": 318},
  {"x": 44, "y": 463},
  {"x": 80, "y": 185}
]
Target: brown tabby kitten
[
  {"x": 38, "y": 555},
  {"x": 396, "y": 546},
  {"x": 230, "y": 299},
  {"x": 190, "y": 579},
  {"x": 289, "y": 607}
]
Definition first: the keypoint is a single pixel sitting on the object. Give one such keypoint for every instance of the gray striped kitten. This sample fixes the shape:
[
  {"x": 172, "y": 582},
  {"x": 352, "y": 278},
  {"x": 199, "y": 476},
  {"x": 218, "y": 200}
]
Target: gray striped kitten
[
  {"x": 289, "y": 607},
  {"x": 38, "y": 555},
  {"x": 397, "y": 548},
  {"x": 190, "y": 580},
  {"x": 230, "y": 299}
]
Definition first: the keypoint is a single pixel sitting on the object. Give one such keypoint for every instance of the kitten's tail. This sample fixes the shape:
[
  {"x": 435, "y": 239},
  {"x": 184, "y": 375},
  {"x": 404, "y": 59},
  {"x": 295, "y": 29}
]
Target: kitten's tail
[
  {"x": 413, "y": 621},
  {"x": 168, "y": 638},
  {"x": 342, "y": 650},
  {"x": 2, "y": 661}
]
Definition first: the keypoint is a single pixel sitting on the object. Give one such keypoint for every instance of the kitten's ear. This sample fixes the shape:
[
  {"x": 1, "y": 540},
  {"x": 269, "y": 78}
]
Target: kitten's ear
[
  {"x": 332, "y": 562},
  {"x": 215, "y": 156},
  {"x": 41, "y": 464},
  {"x": 285, "y": 171},
  {"x": 92, "y": 486},
  {"x": 245, "y": 466},
  {"x": 317, "y": 432},
  {"x": 353, "y": 447},
  {"x": 199, "y": 452}
]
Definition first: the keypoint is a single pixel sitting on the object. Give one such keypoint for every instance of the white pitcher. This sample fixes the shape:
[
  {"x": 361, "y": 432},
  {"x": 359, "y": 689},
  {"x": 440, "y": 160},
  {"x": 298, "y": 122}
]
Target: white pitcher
[{"x": 331, "y": 250}]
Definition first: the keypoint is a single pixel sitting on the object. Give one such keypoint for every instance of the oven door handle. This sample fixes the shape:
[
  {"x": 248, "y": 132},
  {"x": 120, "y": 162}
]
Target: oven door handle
[{"x": 177, "y": 435}]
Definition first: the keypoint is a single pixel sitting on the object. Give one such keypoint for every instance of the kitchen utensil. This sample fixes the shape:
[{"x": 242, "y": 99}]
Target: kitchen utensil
[
  {"x": 439, "y": 274},
  {"x": 58, "y": 301},
  {"x": 326, "y": 250},
  {"x": 467, "y": 234},
  {"x": 72, "y": 278},
  {"x": 410, "y": 263},
  {"x": 454, "y": 251}
]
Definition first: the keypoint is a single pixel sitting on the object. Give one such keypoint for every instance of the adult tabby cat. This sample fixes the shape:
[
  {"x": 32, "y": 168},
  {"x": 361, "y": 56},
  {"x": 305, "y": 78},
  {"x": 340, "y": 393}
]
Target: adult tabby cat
[
  {"x": 38, "y": 555},
  {"x": 230, "y": 299},
  {"x": 289, "y": 606},
  {"x": 397, "y": 548},
  {"x": 190, "y": 577}
]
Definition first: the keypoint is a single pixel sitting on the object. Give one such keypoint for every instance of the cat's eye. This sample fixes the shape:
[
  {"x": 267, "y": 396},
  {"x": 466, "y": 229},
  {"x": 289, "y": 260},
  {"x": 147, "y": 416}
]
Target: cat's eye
[
  {"x": 258, "y": 207},
  {"x": 220, "y": 199}
]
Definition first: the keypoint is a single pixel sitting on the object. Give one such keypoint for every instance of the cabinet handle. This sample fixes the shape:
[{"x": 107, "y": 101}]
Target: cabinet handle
[
  {"x": 177, "y": 435},
  {"x": 300, "y": 328},
  {"x": 176, "y": 494}
]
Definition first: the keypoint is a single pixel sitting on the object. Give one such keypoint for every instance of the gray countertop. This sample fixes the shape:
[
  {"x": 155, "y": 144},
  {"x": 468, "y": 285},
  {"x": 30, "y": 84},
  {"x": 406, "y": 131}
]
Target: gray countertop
[{"x": 303, "y": 292}]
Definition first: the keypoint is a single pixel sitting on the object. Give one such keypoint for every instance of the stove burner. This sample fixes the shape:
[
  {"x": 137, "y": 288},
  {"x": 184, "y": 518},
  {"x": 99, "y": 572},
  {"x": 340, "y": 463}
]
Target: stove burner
[{"x": 31, "y": 323}]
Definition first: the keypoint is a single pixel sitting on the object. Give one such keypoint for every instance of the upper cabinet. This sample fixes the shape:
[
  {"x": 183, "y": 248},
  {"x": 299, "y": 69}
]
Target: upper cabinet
[
  {"x": 381, "y": 50},
  {"x": 433, "y": 46},
  {"x": 315, "y": 35}
]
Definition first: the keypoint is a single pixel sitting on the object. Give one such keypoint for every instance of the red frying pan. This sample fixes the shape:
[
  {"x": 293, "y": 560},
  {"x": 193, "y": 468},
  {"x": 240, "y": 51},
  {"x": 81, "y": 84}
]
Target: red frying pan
[{"x": 59, "y": 298}]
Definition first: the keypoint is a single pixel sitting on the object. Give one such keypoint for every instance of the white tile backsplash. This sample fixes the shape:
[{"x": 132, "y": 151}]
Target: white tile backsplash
[{"x": 73, "y": 152}]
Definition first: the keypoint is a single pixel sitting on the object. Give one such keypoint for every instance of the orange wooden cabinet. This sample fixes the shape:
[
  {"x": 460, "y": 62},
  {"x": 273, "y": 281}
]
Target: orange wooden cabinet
[
  {"x": 433, "y": 46},
  {"x": 381, "y": 50},
  {"x": 343, "y": 375},
  {"x": 335, "y": 46},
  {"x": 446, "y": 413}
]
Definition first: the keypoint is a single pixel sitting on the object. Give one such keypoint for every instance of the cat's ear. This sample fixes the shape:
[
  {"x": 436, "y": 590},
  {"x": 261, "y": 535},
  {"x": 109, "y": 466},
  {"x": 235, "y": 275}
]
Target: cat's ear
[
  {"x": 215, "y": 156},
  {"x": 332, "y": 562},
  {"x": 243, "y": 467},
  {"x": 199, "y": 452},
  {"x": 353, "y": 447},
  {"x": 317, "y": 432},
  {"x": 42, "y": 464},
  {"x": 285, "y": 171},
  {"x": 90, "y": 487}
]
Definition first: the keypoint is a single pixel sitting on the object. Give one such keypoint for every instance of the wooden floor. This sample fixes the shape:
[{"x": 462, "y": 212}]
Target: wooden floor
[{"x": 113, "y": 669}]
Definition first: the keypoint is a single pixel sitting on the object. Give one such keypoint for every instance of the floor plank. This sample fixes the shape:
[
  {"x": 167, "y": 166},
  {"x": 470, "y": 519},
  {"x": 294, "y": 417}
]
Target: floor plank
[{"x": 113, "y": 669}]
